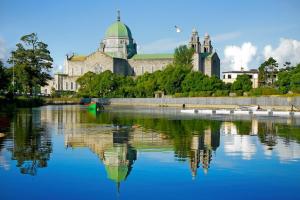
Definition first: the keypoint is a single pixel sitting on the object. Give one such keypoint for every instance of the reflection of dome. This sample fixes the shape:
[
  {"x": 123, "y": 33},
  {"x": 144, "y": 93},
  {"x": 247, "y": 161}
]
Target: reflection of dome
[
  {"x": 117, "y": 173},
  {"x": 118, "y": 29}
]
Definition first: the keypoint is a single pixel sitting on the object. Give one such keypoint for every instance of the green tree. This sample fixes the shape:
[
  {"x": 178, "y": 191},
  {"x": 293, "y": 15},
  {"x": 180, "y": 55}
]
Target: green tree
[
  {"x": 4, "y": 80},
  {"x": 104, "y": 84},
  {"x": 267, "y": 72},
  {"x": 288, "y": 79},
  {"x": 193, "y": 82},
  {"x": 295, "y": 82},
  {"x": 183, "y": 56},
  {"x": 32, "y": 62},
  {"x": 171, "y": 79},
  {"x": 243, "y": 82},
  {"x": 85, "y": 82}
]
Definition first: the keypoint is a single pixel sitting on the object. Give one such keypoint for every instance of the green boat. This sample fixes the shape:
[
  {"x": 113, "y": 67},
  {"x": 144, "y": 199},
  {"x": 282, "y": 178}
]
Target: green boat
[{"x": 95, "y": 106}]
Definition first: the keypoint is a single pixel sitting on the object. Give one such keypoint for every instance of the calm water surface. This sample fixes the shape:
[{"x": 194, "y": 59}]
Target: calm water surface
[{"x": 57, "y": 152}]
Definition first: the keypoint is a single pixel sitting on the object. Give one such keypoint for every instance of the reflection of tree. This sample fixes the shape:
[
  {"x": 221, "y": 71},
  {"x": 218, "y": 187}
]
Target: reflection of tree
[
  {"x": 243, "y": 127},
  {"x": 32, "y": 145},
  {"x": 180, "y": 131},
  {"x": 267, "y": 133}
]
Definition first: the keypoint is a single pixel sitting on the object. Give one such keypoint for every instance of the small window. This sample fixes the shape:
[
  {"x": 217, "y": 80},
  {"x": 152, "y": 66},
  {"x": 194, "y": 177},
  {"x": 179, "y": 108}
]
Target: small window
[
  {"x": 67, "y": 87},
  {"x": 229, "y": 76},
  {"x": 71, "y": 85},
  {"x": 224, "y": 76}
]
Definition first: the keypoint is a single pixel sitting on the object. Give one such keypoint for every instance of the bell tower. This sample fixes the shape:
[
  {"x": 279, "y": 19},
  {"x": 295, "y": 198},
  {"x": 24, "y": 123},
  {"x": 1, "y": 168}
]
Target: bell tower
[
  {"x": 196, "y": 45},
  {"x": 207, "y": 47},
  {"x": 195, "y": 42}
]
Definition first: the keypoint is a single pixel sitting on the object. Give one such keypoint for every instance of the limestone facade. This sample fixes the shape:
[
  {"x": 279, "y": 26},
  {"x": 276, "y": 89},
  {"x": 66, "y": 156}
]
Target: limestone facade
[{"x": 117, "y": 53}]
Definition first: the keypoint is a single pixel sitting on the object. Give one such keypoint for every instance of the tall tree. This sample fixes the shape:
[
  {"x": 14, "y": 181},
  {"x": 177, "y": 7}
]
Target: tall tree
[
  {"x": 267, "y": 71},
  {"x": 32, "y": 62},
  {"x": 242, "y": 82},
  {"x": 4, "y": 80},
  {"x": 183, "y": 56}
]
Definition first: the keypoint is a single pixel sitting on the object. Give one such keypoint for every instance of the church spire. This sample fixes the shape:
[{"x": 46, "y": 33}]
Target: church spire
[{"x": 118, "y": 16}]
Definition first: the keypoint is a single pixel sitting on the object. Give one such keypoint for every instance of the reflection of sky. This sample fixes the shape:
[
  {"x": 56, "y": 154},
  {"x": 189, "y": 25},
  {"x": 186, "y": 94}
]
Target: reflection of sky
[
  {"x": 239, "y": 145},
  {"x": 285, "y": 152},
  {"x": 4, "y": 161},
  {"x": 246, "y": 146}
]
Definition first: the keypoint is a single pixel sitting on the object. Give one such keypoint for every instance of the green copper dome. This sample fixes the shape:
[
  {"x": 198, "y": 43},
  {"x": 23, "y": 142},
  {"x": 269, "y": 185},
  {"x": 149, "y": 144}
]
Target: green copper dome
[{"x": 118, "y": 29}]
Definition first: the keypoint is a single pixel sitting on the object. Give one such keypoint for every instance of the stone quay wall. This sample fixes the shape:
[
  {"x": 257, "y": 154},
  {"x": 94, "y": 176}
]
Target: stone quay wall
[{"x": 266, "y": 102}]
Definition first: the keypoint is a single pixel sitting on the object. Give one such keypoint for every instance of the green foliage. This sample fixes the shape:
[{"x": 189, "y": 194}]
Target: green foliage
[
  {"x": 267, "y": 71},
  {"x": 183, "y": 56},
  {"x": 264, "y": 91},
  {"x": 32, "y": 63},
  {"x": 4, "y": 78},
  {"x": 200, "y": 94},
  {"x": 243, "y": 83},
  {"x": 220, "y": 93},
  {"x": 86, "y": 83},
  {"x": 289, "y": 79}
]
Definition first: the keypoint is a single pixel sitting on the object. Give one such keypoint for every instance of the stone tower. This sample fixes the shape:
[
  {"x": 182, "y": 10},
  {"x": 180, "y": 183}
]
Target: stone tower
[
  {"x": 196, "y": 45},
  {"x": 207, "y": 47}
]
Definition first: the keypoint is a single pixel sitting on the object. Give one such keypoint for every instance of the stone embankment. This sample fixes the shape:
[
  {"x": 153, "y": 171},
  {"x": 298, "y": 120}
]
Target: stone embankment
[{"x": 265, "y": 102}]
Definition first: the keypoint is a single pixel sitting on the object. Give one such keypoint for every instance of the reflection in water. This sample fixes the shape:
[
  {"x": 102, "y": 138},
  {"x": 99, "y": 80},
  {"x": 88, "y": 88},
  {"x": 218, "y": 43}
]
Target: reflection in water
[
  {"x": 31, "y": 143},
  {"x": 201, "y": 149},
  {"x": 112, "y": 148},
  {"x": 116, "y": 137}
]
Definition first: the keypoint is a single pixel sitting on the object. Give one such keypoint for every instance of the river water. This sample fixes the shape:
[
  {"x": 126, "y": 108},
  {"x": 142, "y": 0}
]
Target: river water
[{"x": 66, "y": 152}]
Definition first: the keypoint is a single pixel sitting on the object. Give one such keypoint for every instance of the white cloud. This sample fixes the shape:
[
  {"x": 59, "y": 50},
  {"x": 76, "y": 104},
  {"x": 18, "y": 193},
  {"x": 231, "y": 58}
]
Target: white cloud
[
  {"x": 225, "y": 36},
  {"x": 236, "y": 57},
  {"x": 287, "y": 50},
  {"x": 162, "y": 45},
  {"x": 3, "y": 50}
]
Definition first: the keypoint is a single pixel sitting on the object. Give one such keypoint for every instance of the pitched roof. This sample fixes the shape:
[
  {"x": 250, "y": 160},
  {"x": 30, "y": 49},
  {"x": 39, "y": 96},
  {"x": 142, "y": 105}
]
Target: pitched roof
[
  {"x": 152, "y": 56},
  {"x": 77, "y": 58}
]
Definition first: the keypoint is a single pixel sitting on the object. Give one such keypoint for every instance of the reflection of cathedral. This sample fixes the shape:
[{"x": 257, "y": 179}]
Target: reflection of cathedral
[
  {"x": 112, "y": 148},
  {"x": 116, "y": 147},
  {"x": 201, "y": 150}
]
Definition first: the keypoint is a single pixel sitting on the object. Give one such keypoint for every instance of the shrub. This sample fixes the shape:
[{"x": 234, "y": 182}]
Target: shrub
[
  {"x": 220, "y": 93},
  {"x": 200, "y": 94},
  {"x": 264, "y": 91},
  {"x": 185, "y": 94},
  {"x": 27, "y": 102}
]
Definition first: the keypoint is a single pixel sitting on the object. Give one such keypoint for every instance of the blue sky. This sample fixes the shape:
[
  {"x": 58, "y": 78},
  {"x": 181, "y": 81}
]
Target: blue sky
[{"x": 78, "y": 26}]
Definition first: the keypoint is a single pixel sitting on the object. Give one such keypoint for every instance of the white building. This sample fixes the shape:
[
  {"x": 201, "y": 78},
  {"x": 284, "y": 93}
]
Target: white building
[{"x": 231, "y": 76}]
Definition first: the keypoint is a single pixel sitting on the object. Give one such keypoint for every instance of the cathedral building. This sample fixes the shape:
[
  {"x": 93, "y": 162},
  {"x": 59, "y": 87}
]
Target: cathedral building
[{"x": 117, "y": 52}]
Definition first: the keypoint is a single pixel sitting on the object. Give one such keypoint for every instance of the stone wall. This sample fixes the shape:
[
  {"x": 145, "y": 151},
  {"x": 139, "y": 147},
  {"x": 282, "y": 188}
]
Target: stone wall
[
  {"x": 98, "y": 62},
  {"x": 275, "y": 102},
  {"x": 142, "y": 66}
]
